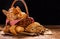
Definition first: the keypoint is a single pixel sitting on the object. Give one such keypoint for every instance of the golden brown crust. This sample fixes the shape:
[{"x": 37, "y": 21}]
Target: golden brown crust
[
  {"x": 35, "y": 28},
  {"x": 6, "y": 29},
  {"x": 19, "y": 29},
  {"x": 12, "y": 30},
  {"x": 18, "y": 9},
  {"x": 13, "y": 10}
]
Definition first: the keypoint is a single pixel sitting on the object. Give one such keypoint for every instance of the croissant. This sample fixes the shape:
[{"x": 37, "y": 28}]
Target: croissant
[{"x": 35, "y": 28}]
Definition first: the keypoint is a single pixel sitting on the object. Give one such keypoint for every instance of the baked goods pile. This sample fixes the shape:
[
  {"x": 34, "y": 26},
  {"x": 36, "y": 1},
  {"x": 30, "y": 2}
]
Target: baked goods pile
[
  {"x": 24, "y": 24},
  {"x": 18, "y": 22}
]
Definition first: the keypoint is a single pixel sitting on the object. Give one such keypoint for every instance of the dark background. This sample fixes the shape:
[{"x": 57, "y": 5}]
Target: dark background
[{"x": 47, "y": 12}]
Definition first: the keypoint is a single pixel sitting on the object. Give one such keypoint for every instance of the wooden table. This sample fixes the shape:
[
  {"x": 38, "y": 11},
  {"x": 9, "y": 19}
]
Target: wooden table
[{"x": 56, "y": 35}]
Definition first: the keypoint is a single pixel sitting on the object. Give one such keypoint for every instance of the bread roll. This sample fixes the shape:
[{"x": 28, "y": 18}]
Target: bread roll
[
  {"x": 35, "y": 28},
  {"x": 12, "y": 30},
  {"x": 19, "y": 29}
]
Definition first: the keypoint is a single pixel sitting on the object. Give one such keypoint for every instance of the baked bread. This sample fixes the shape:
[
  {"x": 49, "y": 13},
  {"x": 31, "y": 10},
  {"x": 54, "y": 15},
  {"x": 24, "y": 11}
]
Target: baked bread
[
  {"x": 35, "y": 28},
  {"x": 12, "y": 30},
  {"x": 19, "y": 29}
]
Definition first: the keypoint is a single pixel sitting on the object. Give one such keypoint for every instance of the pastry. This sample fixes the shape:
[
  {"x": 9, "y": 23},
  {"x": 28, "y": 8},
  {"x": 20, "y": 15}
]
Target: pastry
[
  {"x": 12, "y": 30},
  {"x": 35, "y": 28},
  {"x": 19, "y": 29}
]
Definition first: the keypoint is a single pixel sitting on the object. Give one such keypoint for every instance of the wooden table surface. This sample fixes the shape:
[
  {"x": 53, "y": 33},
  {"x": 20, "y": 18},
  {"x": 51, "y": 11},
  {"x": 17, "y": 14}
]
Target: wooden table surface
[{"x": 56, "y": 35}]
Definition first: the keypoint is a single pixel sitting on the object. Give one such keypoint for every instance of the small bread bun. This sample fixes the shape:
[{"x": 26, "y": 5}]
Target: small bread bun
[
  {"x": 35, "y": 28},
  {"x": 19, "y": 29},
  {"x": 12, "y": 30}
]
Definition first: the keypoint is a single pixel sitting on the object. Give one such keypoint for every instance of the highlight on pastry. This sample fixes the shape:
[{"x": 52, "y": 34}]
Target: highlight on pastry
[{"x": 19, "y": 29}]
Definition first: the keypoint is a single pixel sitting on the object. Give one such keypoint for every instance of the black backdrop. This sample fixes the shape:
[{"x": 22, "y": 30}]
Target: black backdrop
[{"x": 44, "y": 11}]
